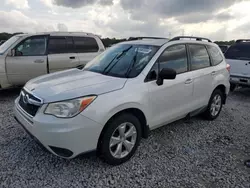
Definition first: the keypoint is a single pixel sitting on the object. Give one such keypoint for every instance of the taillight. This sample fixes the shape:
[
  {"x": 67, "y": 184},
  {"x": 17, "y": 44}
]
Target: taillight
[{"x": 228, "y": 67}]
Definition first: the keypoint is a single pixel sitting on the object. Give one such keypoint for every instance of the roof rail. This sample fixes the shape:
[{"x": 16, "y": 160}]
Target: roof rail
[
  {"x": 242, "y": 40},
  {"x": 141, "y": 38},
  {"x": 189, "y": 37},
  {"x": 65, "y": 32}
]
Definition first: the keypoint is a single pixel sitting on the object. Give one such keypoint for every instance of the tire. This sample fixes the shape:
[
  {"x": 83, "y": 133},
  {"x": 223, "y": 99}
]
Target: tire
[
  {"x": 211, "y": 114},
  {"x": 114, "y": 128},
  {"x": 232, "y": 87}
]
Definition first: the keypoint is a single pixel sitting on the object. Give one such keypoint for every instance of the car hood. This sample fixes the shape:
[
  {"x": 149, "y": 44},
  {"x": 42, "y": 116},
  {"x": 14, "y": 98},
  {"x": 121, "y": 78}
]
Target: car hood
[{"x": 71, "y": 84}]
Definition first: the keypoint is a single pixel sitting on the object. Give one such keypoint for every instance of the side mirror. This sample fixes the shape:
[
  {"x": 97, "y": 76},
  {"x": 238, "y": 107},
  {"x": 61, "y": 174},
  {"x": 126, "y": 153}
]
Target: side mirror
[
  {"x": 12, "y": 52},
  {"x": 166, "y": 74}
]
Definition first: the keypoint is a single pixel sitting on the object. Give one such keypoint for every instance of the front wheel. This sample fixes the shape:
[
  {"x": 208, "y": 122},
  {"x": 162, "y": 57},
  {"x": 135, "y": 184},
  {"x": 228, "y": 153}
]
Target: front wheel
[
  {"x": 214, "y": 105},
  {"x": 120, "y": 139}
]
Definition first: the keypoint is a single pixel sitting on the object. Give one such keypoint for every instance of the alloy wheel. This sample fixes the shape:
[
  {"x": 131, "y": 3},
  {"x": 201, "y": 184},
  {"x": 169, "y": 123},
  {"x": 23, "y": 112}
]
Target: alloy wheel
[{"x": 123, "y": 140}]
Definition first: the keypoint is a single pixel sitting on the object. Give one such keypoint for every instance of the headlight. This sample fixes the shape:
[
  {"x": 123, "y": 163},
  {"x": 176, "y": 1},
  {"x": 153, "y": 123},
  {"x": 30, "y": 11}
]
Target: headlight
[{"x": 69, "y": 108}]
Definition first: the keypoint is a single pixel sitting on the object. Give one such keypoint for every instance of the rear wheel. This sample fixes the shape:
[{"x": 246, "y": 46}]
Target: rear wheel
[
  {"x": 214, "y": 105},
  {"x": 120, "y": 139}
]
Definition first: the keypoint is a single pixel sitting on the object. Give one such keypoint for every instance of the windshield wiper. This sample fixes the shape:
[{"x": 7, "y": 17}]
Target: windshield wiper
[
  {"x": 118, "y": 57},
  {"x": 133, "y": 64}
]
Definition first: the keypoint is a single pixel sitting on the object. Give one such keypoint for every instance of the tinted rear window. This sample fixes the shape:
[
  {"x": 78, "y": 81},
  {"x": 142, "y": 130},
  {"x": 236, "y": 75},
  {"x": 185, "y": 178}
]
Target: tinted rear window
[
  {"x": 239, "y": 51},
  {"x": 60, "y": 45},
  {"x": 85, "y": 44}
]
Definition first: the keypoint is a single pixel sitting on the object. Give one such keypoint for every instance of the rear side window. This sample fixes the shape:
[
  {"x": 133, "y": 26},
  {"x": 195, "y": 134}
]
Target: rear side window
[
  {"x": 215, "y": 55},
  {"x": 199, "y": 57},
  {"x": 239, "y": 51},
  {"x": 175, "y": 57},
  {"x": 85, "y": 44},
  {"x": 60, "y": 45},
  {"x": 57, "y": 45}
]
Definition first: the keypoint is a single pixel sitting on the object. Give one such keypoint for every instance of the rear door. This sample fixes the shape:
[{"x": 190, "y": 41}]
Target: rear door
[
  {"x": 238, "y": 57},
  {"x": 29, "y": 61},
  {"x": 61, "y": 53},
  {"x": 202, "y": 74},
  {"x": 86, "y": 48}
]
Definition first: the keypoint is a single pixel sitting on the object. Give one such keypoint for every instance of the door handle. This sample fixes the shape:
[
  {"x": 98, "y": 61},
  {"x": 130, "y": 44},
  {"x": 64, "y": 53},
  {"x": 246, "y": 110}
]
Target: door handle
[
  {"x": 188, "y": 81},
  {"x": 39, "y": 61},
  {"x": 72, "y": 57},
  {"x": 213, "y": 73}
]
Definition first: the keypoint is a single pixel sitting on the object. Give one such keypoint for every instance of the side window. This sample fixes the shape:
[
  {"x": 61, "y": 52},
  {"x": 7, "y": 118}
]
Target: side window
[
  {"x": 199, "y": 57},
  {"x": 70, "y": 45},
  {"x": 174, "y": 57},
  {"x": 34, "y": 46},
  {"x": 85, "y": 44},
  {"x": 215, "y": 55},
  {"x": 57, "y": 45}
]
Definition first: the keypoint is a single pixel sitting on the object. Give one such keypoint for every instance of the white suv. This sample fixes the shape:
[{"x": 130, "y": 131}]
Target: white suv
[
  {"x": 238, "y": 57},
  {"x": 131, "y": 88}
]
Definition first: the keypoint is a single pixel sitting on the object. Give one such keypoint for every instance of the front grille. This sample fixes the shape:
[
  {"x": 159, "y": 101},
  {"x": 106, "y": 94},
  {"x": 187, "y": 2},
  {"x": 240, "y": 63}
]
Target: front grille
[{"x": 26, "y": 105}]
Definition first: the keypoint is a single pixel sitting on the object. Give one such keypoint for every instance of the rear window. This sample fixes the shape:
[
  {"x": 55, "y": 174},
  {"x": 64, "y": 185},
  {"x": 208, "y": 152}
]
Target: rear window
[
  {"x": 239, "y": 51},
  {"x": 85, "y": 44},
  {"x": 215, "y": 55}
]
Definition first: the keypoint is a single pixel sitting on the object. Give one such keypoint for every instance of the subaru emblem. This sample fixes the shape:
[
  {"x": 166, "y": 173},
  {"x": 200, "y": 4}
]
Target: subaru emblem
[{"x": 26, "y": 99}]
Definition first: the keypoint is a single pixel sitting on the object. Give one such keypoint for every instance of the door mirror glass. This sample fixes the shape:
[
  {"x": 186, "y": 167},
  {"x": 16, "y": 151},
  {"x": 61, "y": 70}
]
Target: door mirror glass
[{"x": 167, "y": 74}]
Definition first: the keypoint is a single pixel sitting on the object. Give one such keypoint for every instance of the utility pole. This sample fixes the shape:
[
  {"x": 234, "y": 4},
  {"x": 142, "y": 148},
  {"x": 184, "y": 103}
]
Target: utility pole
[{"x": 183, "y": 32}]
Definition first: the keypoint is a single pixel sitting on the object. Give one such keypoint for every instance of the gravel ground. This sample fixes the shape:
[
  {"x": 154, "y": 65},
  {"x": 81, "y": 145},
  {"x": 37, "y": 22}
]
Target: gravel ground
[{"x": 197, "y": 153}]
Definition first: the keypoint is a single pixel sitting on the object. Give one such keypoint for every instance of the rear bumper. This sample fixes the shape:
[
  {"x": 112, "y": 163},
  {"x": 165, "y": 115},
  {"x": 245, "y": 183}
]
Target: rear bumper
[{"x": 240, "y": 80}]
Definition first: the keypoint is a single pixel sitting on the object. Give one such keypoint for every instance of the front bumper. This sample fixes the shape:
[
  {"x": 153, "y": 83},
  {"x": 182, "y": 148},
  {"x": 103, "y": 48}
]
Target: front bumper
[
  {"x": 240, "y": 80},
  {"x": 65, "y": 138}
]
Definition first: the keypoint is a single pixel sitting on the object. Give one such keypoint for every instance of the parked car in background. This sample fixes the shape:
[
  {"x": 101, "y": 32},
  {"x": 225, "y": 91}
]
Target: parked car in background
[
  {"x": 27, "y": 56},
  {"x": 2, "y": 41},
  {"x": 238, "y": 56},
  {"x": 224, "y": 48},
  {"x": 131, "y": 88}
]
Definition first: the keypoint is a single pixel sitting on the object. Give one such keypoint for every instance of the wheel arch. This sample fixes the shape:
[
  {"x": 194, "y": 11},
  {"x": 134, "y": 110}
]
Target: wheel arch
[
  {"x": 222, "y": 88},
  {"x": 138, "y": 113}
]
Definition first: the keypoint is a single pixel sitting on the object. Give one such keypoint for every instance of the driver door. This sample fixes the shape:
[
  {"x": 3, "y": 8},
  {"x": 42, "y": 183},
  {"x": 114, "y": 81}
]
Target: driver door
[{"x": 29, "y": 60}]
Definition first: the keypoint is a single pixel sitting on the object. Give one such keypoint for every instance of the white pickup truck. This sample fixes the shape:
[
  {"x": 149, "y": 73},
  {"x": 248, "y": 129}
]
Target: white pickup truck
[{"x": 27, "y": 56}]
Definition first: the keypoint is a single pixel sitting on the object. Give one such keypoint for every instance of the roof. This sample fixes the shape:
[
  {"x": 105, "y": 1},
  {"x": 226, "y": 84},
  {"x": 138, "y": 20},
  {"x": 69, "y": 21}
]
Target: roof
[{"x": 153, "y": 42}]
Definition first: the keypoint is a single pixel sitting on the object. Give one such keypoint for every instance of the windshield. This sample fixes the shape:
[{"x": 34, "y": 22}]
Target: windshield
[
  {"x": 239, "y": 51},
  {"x": 5, "y": 46},
  {"x": 123, "y": 60}
]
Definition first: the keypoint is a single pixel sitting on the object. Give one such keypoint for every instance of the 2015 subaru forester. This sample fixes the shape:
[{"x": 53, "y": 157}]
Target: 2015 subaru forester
[{"x": 131, "y": 88}]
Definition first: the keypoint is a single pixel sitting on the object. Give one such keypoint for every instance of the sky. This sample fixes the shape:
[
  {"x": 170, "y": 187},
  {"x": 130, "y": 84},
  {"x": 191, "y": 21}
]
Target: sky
[{"x": 214, "y": 19}]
